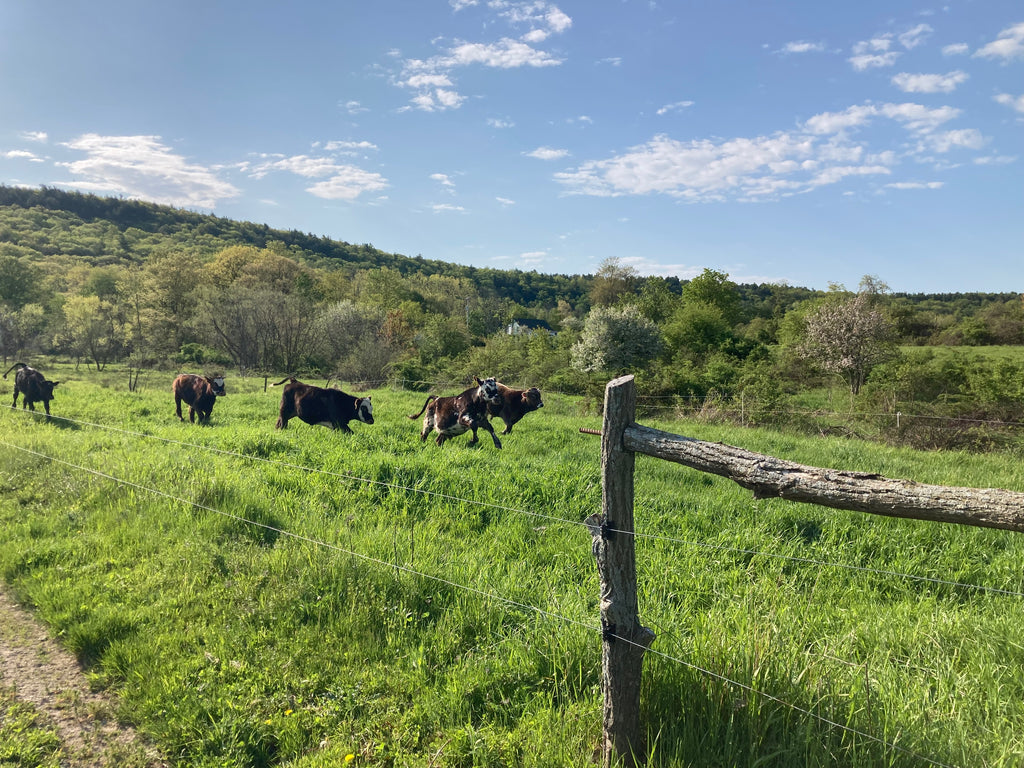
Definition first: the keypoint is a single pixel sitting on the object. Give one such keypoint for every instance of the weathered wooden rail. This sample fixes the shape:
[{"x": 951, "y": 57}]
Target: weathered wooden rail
[{"x": 625, "y": 639}]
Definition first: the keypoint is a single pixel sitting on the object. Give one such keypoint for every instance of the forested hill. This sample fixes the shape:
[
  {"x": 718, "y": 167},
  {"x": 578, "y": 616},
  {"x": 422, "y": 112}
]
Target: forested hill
[{"x": 106, "y": 231}]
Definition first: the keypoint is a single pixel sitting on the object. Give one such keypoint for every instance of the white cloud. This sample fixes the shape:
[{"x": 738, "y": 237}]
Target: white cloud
[
  {"x": 495, "y": 122},
  {"x": 873, "y": 61},
  {"x": 915, "y": 185},
  {"x": 443, "y": 179},
  {"x": 143, "y": 167},
  {"x": 674, "y": 107},
  {"x": 505, "y": 54},
  {"x": 347, "y": 183},
  {"x": 354, "y": 107},
  {"x": 916, "y": 36},
  {"x": 348, "y": 147},
  {"x": 922, "y": 83},
  {"x": 1014, "y": 102},
  {"x": 945, "y": 141},
  {"x": 802, "y": 46},
  {"x": 1008, "y": 45},
  {"x": 447, "y": 207},
  {"x": 21, "y": 154},
  {"x": 341, "y": 181},
  {"x": 956, "y": 49},
  {"x": 615, "y": 61},
  {"x": 39, "y": 136},
  {"x": 874, "y": 45},
  {"x": 547, "y": 153},
  {"x": 433, "y": 78},
  {"x": 505, "y": 201},
  {"x": 823, "y": 151}
]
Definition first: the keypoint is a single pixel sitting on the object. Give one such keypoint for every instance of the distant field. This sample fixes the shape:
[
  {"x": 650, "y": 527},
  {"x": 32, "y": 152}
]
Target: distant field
[
  {"x": 1015, "y": 353},
  {"x": 289, "y": 598}
]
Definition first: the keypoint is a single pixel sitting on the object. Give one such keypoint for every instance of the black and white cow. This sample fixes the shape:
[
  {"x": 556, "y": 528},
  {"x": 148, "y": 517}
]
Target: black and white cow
[
  {"x": 33, "y": 386},
  {"x": 452, "y": 416},
  {"x": 199, "y": 393},
  {"x": 316, "y": 405},
  {"x": 515, "y": 403}
]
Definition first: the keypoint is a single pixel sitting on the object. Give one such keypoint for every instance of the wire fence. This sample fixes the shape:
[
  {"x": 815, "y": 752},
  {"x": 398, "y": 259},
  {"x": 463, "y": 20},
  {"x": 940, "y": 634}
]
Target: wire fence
[{"x": 490, "y": 595}]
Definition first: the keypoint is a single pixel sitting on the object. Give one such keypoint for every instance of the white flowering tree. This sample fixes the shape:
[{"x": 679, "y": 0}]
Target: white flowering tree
[
  {"x": 615, "y": 339},
  {"x": 848, "y": 337}
]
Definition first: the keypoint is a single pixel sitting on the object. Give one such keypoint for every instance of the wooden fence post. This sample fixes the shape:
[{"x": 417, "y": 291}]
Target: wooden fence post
[{"x": 624, "y": 639}]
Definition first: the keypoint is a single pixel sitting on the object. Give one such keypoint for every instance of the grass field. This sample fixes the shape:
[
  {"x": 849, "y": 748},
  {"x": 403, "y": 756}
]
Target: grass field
[{"x": 292, "y": 598}]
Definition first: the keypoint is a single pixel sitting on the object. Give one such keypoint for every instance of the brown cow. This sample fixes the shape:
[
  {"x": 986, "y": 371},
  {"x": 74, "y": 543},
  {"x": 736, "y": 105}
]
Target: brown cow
[
  {"x": 451, "y": 416},
  {"x": 316, "y": 405},
  {"x": 33, "y": 385},
  {"x": 199, "y": 393},
  {"x": 515, "y": 403}
]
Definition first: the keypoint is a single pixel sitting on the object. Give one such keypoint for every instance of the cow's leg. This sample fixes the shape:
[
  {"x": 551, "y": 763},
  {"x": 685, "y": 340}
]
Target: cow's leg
[
  {"x": 191, "y": 415},
  {"x": 485, "y": 424},
  {"x": 177, "y": 407},
  {"x": 15, "y": 403},
  {"x": 30, "y": 404},
  {"x": 344, "y": 427},
  {"x": 46, "y": 405},
  {"x": 282, "y": 422}
]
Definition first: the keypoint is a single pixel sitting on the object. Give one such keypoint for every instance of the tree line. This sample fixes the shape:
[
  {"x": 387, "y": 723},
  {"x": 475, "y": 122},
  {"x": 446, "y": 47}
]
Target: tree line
[{"x": 102, "y": 280}]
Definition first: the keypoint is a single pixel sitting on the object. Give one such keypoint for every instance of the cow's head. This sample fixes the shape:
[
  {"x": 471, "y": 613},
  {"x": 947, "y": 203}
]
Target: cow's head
[
  {"x": 531, "y": 398},
  {"x": 47, "y": 388},
  {"x": 364, "y": 410},
  {"x": 488, "y": 389},
  {"x": 217, "y": 384}
]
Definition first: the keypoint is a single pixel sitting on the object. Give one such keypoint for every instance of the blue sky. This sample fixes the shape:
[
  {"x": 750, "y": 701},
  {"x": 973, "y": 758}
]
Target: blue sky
[{"x": 802, "y": 142}]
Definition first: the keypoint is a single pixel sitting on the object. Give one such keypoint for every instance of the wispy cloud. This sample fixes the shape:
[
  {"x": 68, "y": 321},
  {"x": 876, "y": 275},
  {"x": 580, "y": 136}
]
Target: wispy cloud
[
  {"x": 339, "y": 181},
  {"x": 915, "y": 185},
  {"x": 21, "y": 154},
  {"x": 675, "y": 107},
  {"x": 432, "y": 79},
  {"x": 802, "y": 46},
  {"x": 547, "y": 153},
  {"x": 824, "y": 151},
  {"x": 1014, "y": 102},
  {"x": 921, "y": 83},
  {"x": 955, "y": 49},
  {"x": 39, "y": 136},
  {"x": 447, "y": 208},
  {"x": 143, "y": 167},
  {"x": 1007, "y": 46}
]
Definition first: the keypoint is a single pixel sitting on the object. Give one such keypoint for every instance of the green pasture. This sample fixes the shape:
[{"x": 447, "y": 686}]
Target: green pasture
[{"x": 304, "y": 598}]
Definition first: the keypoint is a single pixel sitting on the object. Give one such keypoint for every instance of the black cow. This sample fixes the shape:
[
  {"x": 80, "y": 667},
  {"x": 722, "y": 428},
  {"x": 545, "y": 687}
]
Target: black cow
[
  {"x": 33, "y": 385},
  {"x": 316, "y": 405},
  {"x": 451, "y": 416},
  {"x": 515, "y": 403},
  {"x": 199, "y": 393}
]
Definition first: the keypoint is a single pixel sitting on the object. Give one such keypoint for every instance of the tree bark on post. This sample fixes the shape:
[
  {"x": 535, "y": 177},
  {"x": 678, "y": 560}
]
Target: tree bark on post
[{"x": 625, "y": 640}]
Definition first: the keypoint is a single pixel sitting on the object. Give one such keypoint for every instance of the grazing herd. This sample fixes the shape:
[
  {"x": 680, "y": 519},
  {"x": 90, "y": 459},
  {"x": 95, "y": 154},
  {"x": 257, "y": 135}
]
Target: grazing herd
[{"x": 447, "y": 416}]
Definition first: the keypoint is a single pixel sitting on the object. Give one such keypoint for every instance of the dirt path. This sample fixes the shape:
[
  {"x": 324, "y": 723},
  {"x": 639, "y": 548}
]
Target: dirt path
[{"x": 48, "y": 678}]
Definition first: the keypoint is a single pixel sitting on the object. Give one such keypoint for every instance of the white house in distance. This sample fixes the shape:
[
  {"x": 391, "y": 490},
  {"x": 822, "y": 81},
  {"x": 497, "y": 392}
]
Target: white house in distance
[{"x": 527, "y": 325}]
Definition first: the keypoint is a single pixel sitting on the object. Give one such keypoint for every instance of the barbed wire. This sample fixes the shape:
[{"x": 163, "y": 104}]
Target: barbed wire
[
  {"x": 490, "y": 596},
  {"x": 541, "y": 515}
]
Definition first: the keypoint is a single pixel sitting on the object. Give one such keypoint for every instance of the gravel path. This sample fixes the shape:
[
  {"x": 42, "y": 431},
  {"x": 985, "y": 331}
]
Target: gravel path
[{"x": 46, "y": 676}]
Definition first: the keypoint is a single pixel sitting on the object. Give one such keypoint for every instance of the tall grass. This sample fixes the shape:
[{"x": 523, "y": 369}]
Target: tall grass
[{"x": 260, "y": 598}]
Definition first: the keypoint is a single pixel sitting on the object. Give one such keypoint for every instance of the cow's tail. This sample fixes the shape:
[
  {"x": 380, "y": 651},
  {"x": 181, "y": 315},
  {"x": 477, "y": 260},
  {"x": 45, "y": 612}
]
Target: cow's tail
[
  {"x": 13, "y": 367},
  {"x": 417, "y": 415},
  {"x": 282, "y": 381}
]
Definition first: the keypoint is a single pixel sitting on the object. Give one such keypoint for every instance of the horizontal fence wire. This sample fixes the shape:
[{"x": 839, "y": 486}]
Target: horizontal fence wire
[
  {"x": 490, "y": 596},
  {"x": 539, "y": 515}
]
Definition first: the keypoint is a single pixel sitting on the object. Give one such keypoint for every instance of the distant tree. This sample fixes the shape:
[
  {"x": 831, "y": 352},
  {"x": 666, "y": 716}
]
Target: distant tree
[
  {"x": 91, "y": 331},
  {"x": 615, "y": 340},
  {"x": 611, "y": 282},
  {"x": 848, "y": 336},
  {"x": 714, "y": 289}
]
